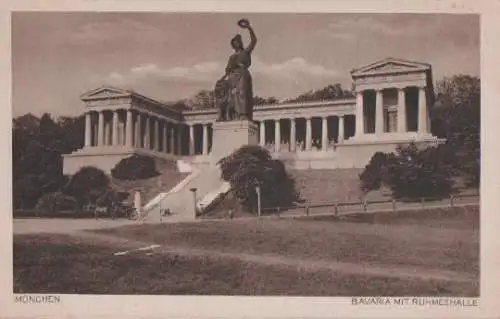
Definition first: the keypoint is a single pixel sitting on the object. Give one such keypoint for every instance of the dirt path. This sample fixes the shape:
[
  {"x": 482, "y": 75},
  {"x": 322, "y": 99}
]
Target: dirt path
[{"x": 393, "y": 271}]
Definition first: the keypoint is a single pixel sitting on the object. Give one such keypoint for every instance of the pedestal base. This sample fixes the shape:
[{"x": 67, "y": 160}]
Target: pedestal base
[{"x": 229, "y": 136}]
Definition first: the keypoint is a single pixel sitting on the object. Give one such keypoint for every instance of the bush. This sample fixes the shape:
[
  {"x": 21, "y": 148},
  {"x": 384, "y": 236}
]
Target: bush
[
  {"x": 56, "y": 202},
  {"x": 110, "y": 198},
  {"x": 372, "y": 176},
  {"x": 251, "y": 166},
  {"x": 410, "y": 173},
  {"x": 414, "y": 177},
  {"x": 86, "y": 181},
  {"x": 135, "y": 167}
]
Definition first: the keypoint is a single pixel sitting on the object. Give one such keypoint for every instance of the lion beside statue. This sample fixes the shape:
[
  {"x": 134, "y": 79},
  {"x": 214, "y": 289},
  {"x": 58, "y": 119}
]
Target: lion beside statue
[{"x": 221, "y": 92}]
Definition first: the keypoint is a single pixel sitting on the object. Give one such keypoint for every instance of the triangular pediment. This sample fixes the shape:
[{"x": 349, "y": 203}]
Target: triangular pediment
[
  {"x": 104, "y": 93},
  {"x": 390, "y": 65}
]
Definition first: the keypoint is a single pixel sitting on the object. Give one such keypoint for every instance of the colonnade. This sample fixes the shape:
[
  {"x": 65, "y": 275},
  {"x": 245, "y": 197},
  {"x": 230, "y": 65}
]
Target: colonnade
[
  {"x": 386, "y": 114},
  {"x": 129, "y": 128},
  {"x": 383, "y": 114},
  {"x": 305, "y": 138}
]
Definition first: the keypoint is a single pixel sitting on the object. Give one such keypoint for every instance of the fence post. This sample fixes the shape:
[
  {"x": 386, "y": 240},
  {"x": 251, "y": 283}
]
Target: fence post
[
  {"x": 393, "y": 205},
  {"x": 364, "y": 205},
  {"x": 257, "y": 189},
  {"x": 451, "y": 200},
  {"x": 307, "y": 210},
  {"x": 279, "y": 209},
  {"x": 336, "y": 210},
  {"x": 422, "y": 202}
]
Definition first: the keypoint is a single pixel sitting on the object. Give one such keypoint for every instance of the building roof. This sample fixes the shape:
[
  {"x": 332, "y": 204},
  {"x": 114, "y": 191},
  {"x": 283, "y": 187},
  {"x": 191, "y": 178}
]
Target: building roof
[{"x": 390, "y": 65}]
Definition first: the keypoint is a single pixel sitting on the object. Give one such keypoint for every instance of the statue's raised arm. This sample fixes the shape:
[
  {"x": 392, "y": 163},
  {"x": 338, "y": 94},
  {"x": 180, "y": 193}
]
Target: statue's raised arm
[{"x": 245, "y": 24}]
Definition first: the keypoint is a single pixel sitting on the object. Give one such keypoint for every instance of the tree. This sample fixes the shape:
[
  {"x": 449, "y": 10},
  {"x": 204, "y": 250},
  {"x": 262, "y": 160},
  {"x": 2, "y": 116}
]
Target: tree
[
  {"x": 457, "y": 117},
  {"x": 251, "y": 166},
  {"x": 56, "y": 202},
  {"x": 204, "y": 99},
  {"x": 330, "y": 92},
  {"x": 415, "y": 174},
  {"x": 374, "y": 173},
  {"x": 37, "y": 145},
  {"x": 410, "y": 173},
  {"x": 257, "y": 100},
  {"x": 72, "y": 133},
  {"x": 87, "y": 179},
  {"x": 135, "y": 167}
]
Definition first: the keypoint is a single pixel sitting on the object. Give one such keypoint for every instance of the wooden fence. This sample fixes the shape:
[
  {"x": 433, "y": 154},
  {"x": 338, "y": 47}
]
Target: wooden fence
[{"x": 367, "y": 206}]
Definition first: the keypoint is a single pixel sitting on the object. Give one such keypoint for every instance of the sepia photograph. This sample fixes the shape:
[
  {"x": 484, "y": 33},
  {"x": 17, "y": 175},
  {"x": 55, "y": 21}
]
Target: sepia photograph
[{"x": 246, "y": 154}]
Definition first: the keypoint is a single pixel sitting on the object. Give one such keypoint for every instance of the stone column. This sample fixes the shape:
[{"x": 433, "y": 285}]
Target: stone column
[
  {"x": 179, "y": 139},
  {"x": 205, "y": 139},
  {"x": 100, "y": 130},
  {"x": 401, "y": 111},
  {"x": 129, "y": 129},
  {"x": 293, "y": 133},
  {"x": 379, "y": 113},
  {"x": 164, "y": 134},
  {"x": 108, "y": 127},
  {"x": 308, "y": 134},
  {"x": 157, "y": 135},
  {"x": 191, "y": 139},
  {"x": 114, "y": 130},
  {"x": 88, "y": 129},
  {"x": 277, "y": 135},
  {"x": 262, "y": 127},
  {"x": 422, "y": 111},
  {"x": 341, "y": 129},
  {"x": 138, "y": 131},
  {"x": 147, "y": 133},
  {"x": 324, "y": 134},
  {"x": 172, "y": 138},
  {"x": 360, "y": 125}
]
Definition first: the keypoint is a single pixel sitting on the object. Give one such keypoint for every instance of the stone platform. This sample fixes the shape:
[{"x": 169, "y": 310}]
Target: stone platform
[{"x": 229, "y": 136}]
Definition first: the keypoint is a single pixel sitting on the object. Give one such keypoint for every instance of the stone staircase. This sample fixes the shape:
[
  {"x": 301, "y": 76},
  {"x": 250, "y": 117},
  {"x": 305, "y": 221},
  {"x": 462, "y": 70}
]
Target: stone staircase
[{"x": 179, "y": 200}]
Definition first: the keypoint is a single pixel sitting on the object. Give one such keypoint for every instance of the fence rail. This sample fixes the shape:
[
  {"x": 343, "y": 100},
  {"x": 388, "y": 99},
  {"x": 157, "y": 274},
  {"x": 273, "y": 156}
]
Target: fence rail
[{"x": 353, "y": 207}]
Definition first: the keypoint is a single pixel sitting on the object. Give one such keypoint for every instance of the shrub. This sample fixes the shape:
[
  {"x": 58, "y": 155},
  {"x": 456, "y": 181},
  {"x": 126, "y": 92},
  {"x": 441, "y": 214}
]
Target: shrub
[
  {"x": 373, "y": 175},
  {"x": 110, "y": 197},
  {"x": 86, "y": 180},
  {"x": 410, "y": 173},
  {"x": 56, "y": 202},
  {"x": 251, "y": 166},
  {"x": 135, "y": 167}
]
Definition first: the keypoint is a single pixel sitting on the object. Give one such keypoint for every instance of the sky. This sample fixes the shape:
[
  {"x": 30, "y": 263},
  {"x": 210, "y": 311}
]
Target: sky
[{"x": 58, "y": 56}]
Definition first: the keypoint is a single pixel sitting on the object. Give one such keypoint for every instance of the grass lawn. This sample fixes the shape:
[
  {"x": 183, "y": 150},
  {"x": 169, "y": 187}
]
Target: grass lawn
[
  {"x": 79, "y": 264},
  {"x": 450, "y": 242},
  {"x": 62, "y": 264}
]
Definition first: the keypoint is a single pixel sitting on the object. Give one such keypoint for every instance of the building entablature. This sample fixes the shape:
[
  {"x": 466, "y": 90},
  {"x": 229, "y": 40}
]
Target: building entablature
[
  {"x": 306, "y": 110},
  {"x": 392, "y": 73},
  {"x": 114, "y": 99},
  {"x": 339, "y": 107}
]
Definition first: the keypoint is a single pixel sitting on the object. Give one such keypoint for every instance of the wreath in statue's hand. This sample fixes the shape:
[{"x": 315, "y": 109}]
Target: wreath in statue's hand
[{"x": 244, "y": 23}]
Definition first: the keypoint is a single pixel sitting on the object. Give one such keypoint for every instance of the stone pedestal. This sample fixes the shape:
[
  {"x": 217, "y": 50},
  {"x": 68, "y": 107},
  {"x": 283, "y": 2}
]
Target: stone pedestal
[{"x": 229, "y": 136}]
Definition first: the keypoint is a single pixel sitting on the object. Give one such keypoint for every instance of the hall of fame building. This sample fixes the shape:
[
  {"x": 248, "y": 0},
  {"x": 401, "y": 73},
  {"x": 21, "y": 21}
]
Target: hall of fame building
[{"x": 392, "y": 103}]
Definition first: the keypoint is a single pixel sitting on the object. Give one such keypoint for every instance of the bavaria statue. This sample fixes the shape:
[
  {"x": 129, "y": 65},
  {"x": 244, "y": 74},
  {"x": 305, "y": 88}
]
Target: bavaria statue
[{"x": 233, "y": 92}]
